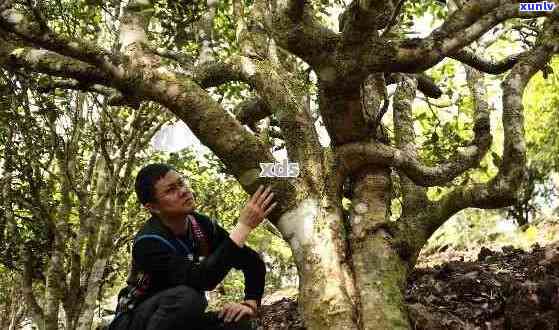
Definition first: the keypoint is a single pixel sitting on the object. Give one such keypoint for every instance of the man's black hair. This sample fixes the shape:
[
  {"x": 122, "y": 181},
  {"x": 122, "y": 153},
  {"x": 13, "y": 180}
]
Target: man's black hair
[{"x": 146, "y": 179}]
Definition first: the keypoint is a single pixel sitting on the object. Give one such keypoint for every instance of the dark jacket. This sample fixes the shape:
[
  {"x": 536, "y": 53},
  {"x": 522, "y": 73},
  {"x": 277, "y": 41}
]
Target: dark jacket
[{"x": 167, "y": 268}]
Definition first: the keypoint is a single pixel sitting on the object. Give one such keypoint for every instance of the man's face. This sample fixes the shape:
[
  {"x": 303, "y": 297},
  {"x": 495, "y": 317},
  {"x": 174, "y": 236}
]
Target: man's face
[{"x": 173, "y": 196}]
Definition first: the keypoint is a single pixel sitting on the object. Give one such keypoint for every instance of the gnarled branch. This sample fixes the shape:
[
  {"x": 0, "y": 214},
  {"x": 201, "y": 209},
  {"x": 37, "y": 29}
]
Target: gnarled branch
[
  {"x": 462, "y": 28},
  {"x": 488, "y": 66},
  {"x": 414, "y": 196},
  {"x": 38, "y": 35},
  {"x": 425, "y": 84},
  {"x": 251, "y": 111},
  {"x": 363, "y": 17},
  {"x": 502, "y": 189},
  {"x": 355, "y": 155},
  {"x": 51, "y": 63},
  {"x": 295, "y": 28}
]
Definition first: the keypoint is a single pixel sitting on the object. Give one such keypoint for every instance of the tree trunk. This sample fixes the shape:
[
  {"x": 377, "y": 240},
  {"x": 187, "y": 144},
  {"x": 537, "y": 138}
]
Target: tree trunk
[
  {"x": 362, "y": 289},
  {"x": 380, "y": 274},
  {"x": 94, "y": 281},
  {"x": 53, "y": 295},
  {"x": 313, "y": 232},
  {"x": 86, "y": 317},
  {"x": 16, "y": 318},
  {"x": 71, "y": 320}
]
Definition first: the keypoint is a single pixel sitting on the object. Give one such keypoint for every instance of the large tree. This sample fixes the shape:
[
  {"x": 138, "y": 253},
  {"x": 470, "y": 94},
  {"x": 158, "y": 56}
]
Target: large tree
[{"x": 352, "y": 269}]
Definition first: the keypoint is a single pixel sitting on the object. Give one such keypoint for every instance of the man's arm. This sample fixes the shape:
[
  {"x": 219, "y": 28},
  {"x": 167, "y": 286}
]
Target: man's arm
[
  {"x": 240, "y": 233},
  {"x": 247, "y": 260},
  {"x": 251, "y": 216},
  {"x": 251, "y": 264}
]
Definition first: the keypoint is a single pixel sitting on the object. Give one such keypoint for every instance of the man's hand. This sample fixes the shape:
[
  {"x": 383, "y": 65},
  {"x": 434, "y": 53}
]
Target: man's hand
[
  {"x": 235, "y": 312},
  {"x": 251, "y": 302},
  {"x": 257, "y": 208}
]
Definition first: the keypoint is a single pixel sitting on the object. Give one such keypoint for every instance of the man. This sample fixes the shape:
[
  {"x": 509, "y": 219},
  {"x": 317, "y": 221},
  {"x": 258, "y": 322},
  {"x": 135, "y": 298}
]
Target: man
[{"x": 179, "y": 253}]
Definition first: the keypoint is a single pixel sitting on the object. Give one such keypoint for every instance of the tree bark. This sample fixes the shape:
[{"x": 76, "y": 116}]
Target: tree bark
[
  {"x": 327, "y": 297},
  {"x": 349, "y": 278},
  {"x": 380, "y": 274}
]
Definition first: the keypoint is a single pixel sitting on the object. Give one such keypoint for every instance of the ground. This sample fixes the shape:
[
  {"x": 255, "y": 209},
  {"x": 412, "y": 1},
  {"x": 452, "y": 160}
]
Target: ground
[{"x": 507, "y": 289}]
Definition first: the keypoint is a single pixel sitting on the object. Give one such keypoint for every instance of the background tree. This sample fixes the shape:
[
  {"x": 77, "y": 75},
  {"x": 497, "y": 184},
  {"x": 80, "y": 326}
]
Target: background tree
[
  {"x": 12, "y": 311},
  {"x": 352, "y": 269},
  {"x": 68, "y": 168}
]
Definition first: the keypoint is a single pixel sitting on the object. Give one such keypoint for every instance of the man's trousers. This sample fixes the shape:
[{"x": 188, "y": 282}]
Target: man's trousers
[{"x": 177, "y": 308}]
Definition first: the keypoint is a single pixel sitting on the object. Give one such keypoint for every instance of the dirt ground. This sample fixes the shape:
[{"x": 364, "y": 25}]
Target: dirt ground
[{"x": 508, "y": 289}]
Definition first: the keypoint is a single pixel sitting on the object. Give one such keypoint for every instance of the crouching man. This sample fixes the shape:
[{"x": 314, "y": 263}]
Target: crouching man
[{"x": 179, "y": 254}]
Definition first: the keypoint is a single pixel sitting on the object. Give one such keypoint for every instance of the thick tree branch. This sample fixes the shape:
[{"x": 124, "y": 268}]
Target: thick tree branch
[
  {"x": 394, "y": 19},
  {"x": 464, "y": 15},
  {"x": 488, "y": 66},
  {"x": 215, "y": 73},
  {"x": 278, "y": 91},
  {"x": 38, "y": 35},
  {"x": 425, "y": 84},
  {"x": 294, "y": 27},
  {"x": 374, "y": 105},
  {"x": 462, "y": 28},
  {"x": 355, "y": 155},
  {"x": 363, "y": 17},
  {"x": 36, "y": 310},
  {"x": 284, "y": 95},
  {"x": 414, "y": 197},
  {"x": 114, "y": 97},
  {"x": 44, "y": 61},
  {"x": 235, "y": 146},
  {"x": 251, "y": 111},
  {"x": 72, "y": 84}
]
